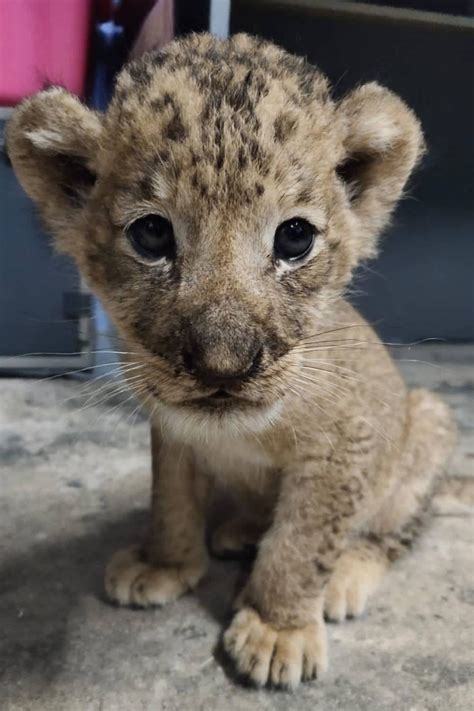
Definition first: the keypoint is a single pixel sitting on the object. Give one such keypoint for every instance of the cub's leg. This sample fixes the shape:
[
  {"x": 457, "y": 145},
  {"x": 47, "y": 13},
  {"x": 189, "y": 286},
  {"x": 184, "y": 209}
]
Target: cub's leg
[
  {"x": 175, "y": 557},
  {"x": 358, "y": 572},
  {"x": 278, "y": 636}
]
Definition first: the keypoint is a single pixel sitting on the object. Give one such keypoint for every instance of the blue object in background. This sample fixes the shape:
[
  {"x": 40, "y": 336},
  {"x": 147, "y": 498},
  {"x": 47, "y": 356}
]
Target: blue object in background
[{"x": 109, "y": 56}]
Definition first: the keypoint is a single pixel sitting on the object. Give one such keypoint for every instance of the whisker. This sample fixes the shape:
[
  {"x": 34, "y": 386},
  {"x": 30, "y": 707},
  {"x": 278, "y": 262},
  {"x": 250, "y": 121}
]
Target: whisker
[
  {"x": 112, "y": 394},
  {"x": 293, "y": 430},
  {"x": 380, "y": 432},
  {"x": 329, "y": 397},
  {"x": 347, "y": 392},
  {"x": 122, "y": 386},
  {"x": 421, "y": 362},
  {"x": 345, "y": 376},
  {"x": 333, "y": 362},
  {"x": 133, "y": 394},
  {"x": 334, "y": 330},
  {"x": 77, "y": 370},
  {"x": 298, "y": 393},
  {"x": 134, "y": 415},
  {"x": 86, "y": 388},
  {"x": 357, "y": 341},
  {"x": 347, "y": 342},
  {"x": 333, "y": 388},
  {"x": 71, "y": 353}
]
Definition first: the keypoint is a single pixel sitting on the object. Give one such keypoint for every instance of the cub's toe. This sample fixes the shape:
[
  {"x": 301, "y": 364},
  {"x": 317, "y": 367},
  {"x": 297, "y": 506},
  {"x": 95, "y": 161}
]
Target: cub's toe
[
  {"x": 130, "y": 580},
  {"x": 281, "y": 658}
]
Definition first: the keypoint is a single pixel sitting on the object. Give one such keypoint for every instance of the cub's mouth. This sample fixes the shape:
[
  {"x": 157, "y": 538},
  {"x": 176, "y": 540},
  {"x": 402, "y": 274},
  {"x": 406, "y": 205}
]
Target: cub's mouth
[
  {"x": 219, "y": 395},
  {"x": 220, "y": 400}
]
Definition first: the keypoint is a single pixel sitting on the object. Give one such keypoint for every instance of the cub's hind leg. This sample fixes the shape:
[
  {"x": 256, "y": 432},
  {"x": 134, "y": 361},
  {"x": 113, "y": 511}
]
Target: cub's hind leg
[
  {"x": 359, "y": 571},
  {"x": 429, "y": 437},
  {"x": 356, "y": 576}
]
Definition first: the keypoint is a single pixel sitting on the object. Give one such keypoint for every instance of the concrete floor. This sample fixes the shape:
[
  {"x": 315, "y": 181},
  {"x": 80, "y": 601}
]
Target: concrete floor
[{"x": 75, "y": 484}]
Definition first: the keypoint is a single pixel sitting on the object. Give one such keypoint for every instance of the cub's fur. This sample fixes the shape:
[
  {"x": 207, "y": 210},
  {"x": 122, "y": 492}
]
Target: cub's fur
[{"x": 258, "y": 375}]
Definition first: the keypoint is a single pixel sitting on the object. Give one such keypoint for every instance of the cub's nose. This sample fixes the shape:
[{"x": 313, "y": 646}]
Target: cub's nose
[{"x": 215, "y": 368}]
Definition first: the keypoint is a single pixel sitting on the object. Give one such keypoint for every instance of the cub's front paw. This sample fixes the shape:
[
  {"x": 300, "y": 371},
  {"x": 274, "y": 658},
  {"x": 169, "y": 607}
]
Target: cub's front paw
[
  {"x": 130, "y": 580},
  {"x": 282, "y": 658}
]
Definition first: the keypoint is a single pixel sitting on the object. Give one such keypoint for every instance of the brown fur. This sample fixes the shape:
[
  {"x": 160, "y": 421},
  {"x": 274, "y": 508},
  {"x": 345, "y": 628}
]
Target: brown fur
[{"x": 333, "y": 457}]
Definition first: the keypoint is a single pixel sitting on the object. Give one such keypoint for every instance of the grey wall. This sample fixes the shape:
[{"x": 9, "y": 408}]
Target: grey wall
[{"x": 34, "y": 281}]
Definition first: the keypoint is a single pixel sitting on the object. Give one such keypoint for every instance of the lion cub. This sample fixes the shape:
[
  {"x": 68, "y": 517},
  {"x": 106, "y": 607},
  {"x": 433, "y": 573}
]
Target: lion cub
[{"x": 218, "y": 209}]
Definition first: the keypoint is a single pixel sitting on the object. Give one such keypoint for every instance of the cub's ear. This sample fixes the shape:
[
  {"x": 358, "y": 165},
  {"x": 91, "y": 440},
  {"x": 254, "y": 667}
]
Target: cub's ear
[
  {"x": 383, "y": 143},
  {"x": 52, "y": 141}
]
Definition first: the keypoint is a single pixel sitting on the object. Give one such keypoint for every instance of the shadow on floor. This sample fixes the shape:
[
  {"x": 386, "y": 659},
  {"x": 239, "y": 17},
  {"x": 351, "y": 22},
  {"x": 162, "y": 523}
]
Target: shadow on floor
[{"x": 40, "y": 591}]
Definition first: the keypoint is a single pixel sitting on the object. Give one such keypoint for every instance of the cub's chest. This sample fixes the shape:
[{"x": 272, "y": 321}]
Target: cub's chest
[{"x": 235, "y": 461}]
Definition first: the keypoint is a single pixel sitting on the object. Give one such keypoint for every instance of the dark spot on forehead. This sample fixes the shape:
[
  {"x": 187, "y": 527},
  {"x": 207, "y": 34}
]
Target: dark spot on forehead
[
  {"x": 261, "y": 88},
  {"x": 157, "y": 104},
  {"x": 177, "y": 169},
  {"x": 219, "y": 130},
  {"x": 278, "y": 174},
  {"x": 247, "y": 197},
  {"x": 259, "y": 189},
  {"x": 264, "y": 164},
  {"x": 306, "y": 81},
  {"x": 305, "y": 195},
  {"x": 157, "y": 58},
  {"x": 242, "y": 158},
  {"x": 160, "y": 103},
  {"x": 255, "y": 150},
  {"x": 220, "y": 158},
  {"x": 162, "y": 157},
  {"x": 144, "y": 187},
  {"x": 206, "y": 114},
  {"x": 284, "y": 126},
  {"x": 175, "y": 130},
  {"x": 238, "y": 98},
  {"x": 297, "y": 165},
  {"x": 140, "y": 73}
]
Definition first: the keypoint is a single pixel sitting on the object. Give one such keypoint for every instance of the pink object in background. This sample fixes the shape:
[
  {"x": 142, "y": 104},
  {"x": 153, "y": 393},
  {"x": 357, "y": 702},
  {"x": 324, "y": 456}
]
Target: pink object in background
[
  {"x": 42, "y": 41},
  {"x": 157, "y": 30}
]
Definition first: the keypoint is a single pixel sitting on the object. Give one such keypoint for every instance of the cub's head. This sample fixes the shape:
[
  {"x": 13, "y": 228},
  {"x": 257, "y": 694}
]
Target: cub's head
[{"x": 217, "y": 208}]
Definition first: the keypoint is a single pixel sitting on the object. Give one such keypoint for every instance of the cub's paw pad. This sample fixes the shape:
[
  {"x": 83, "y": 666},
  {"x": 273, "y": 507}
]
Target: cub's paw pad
[
  {"x": 282, "y": 658},
  {"x": 130, "y": 580},
  {"x": 350, "y": 586}
]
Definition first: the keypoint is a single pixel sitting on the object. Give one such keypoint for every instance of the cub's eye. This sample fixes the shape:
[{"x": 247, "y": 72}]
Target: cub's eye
[
  {"x": 152, "y": 237},
  {"x": 294, "y": 239}
]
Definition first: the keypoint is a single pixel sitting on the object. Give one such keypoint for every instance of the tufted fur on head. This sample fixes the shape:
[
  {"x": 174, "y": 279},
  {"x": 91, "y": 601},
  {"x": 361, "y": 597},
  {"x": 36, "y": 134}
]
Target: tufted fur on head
[{"x": 226, "y": 139}]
